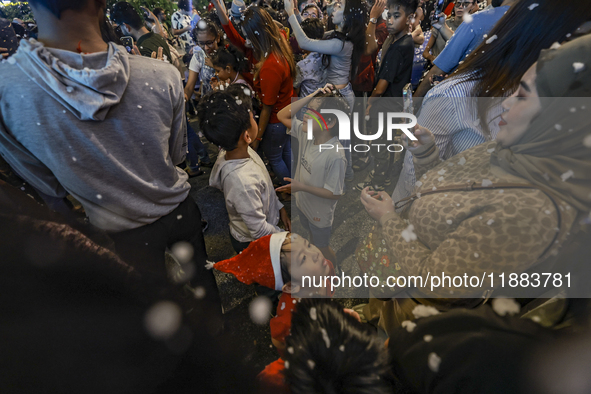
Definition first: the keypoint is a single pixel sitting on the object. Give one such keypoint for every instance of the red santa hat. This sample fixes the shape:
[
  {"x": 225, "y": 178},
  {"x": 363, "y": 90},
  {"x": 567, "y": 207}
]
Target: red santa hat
[{"x": 259, "y": 263}]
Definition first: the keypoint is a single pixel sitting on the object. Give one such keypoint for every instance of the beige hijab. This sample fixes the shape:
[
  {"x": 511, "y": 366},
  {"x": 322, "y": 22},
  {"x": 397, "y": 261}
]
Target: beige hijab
[{"x": 555, "y": 152}]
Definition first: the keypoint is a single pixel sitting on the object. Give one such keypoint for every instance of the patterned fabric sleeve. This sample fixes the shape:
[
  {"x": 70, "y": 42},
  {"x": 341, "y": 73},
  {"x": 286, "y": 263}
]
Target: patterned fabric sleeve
[{"x": 506, "y": 237}]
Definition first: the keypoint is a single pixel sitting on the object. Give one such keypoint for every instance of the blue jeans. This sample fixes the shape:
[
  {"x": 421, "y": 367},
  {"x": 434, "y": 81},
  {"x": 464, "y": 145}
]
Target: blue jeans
[
  {"x": 196, "y": 149},
  {"x": 349, "y": 95},
  {"x": 276, "y": 145}
]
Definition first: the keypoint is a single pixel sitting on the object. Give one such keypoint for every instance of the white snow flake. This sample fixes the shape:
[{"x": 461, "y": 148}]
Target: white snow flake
[
  {"x": 490, "y": 221},
  {"x": 587, "y": 141},
  {"x": 408, "y": 233},
  {"x": 424, "y": 311},
  {"x": 313, "y": 314},
  {"x": 342, "y": 348},
  {"x": 325, "y": 337},
  {"x": 428, "y": 338},
  {"x": 462, "y": 161},
  {"x": 467, "y": 18},
  {"x": 260, "y": 310},
  {"x": 491, "y": 39},
  {"x": 532, "y": 6},
  {"x": 556, "y": 45},
  {"x": 183, "y": 251},
  {"x": 163, "y": 319},
  {"x": 434, "y": 361},
  {"x": 449, "y": 221},
  {"x": 578, "y": 67},
  {"x": 311, "y": 364},
  {"x": 409, "y": 325},
  {"x": 504, "y": 306},
  {"x": 486, "y": 183},
  {"x": 139, "y": 106},
  {"x": 290, "y": 350},
  {"x": 567, "y": 175}
]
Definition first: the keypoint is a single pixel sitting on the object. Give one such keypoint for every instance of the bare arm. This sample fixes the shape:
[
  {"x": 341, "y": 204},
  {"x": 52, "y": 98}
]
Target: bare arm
[
  {"x": 418, "y": 36},
  {"x": 291, "y": 110},
  {"x": 427, "y": 52},
  {"x": 190, "y": 87},
  {"x": 370, "y": 33}
]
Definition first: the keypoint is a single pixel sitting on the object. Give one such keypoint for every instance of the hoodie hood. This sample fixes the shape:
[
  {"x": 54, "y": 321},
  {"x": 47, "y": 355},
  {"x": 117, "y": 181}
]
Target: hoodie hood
[
  {"x": 222, "y": 168},
  {"x": 87, "y": 85}
]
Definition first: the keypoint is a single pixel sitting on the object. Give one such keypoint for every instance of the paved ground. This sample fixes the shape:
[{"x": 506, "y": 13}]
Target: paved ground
[{"x": 351, "y": 224}]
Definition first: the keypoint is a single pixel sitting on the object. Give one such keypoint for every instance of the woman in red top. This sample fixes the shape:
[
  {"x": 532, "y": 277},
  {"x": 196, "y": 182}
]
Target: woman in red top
[{"x": 274, "y": 70}]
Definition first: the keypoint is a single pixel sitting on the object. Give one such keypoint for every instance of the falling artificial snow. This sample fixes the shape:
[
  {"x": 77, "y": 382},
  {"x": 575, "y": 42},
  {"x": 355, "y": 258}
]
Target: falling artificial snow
[
  {"x": 567, "y": 175},
  {"x": 504, "y": 306},
  {"x": 409, "y": 325},
  {"x": 578, "y": 67},
  {"x": 163, "y": 319},
  {"x": 260, "y": 310},
  {"x": 183, "y": 251},
  {"x": 434, "y": 361},
  {"x": 424, "y": 311},
  {"x": 408, "y": 233}
]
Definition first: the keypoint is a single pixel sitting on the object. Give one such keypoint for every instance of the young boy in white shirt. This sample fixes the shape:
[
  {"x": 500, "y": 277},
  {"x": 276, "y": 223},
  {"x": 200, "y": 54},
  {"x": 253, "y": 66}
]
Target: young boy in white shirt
[
  {"x": 320, "y": 175},
  {"x": 226, "y": 119}
]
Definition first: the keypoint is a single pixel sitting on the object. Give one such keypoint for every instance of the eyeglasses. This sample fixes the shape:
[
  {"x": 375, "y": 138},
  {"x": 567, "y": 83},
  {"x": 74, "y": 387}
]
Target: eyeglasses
[
  {"x": 464, "y": 4},
  {"x": 309, "y": 14},
  {"x": 205, "y": 43}
]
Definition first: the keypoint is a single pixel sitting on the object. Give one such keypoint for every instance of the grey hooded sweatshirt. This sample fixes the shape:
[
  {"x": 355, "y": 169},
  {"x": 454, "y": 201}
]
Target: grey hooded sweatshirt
[
  {"x": 106, "y": 127},
  {"x": 251, "y": 201}
]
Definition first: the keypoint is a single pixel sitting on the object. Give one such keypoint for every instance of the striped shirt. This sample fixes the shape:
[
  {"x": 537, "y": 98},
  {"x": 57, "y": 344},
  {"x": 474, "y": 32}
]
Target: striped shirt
[{"x": 451, "y": 115}]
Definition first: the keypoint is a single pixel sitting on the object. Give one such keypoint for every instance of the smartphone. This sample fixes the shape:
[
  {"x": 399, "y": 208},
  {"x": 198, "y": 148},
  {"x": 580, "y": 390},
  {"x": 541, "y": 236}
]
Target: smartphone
[
  {"x": 127, "y": 43},
  {"x": 438, "y": 10},
  {"x": 407, "y": 98}
]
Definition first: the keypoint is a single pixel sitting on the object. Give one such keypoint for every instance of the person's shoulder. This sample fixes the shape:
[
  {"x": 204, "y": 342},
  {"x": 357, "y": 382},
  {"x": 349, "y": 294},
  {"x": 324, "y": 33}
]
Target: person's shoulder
[
  {"x": 164, "y": 71},
  {"x": 11, "y": 73}
]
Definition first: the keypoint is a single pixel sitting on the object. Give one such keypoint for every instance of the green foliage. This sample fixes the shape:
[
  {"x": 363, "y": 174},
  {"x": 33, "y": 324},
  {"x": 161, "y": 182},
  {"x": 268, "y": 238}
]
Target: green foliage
[
  {"x": 17, "y": 9},
  {"x": 167, "y": 5}
]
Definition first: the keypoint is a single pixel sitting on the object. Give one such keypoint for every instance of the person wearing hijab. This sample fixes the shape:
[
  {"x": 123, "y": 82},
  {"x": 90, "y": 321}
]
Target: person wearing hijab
[{"x": 502, "y": 207}]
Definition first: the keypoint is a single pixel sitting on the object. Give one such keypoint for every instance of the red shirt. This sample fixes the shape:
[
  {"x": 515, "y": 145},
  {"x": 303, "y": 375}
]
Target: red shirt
[{"x": 274, "y": 85}]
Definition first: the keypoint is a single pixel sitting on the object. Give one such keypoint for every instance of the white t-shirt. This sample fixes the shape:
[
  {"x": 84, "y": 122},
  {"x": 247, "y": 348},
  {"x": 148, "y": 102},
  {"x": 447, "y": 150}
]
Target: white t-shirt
[{"x": 324, "y": 169}]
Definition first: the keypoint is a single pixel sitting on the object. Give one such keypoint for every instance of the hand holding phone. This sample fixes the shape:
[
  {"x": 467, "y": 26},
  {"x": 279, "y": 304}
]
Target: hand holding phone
[{"x": 127, "y": 43}]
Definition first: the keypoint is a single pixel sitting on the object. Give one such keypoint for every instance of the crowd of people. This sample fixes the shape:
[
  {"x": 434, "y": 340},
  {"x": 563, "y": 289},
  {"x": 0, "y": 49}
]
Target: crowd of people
[{"x": 107, "y": 111}]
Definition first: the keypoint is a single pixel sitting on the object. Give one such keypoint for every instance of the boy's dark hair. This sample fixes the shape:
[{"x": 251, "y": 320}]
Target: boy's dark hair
[
  {"x": 329, "y": 351},
  {"x": 224, "y": 115},
  {"x": 184, "y": 5},
  {"x": 123, "y": 12},
  {"x": 409, "y": 6},
  {"x": 208, "y": 26},
  {"x": 57, "y": 6},
  {"x": 337, "y": 101},
  {"x": 313, "y": 28},
  {"x": 230, "y": 56},
  {"x": 157, "y": 11}
]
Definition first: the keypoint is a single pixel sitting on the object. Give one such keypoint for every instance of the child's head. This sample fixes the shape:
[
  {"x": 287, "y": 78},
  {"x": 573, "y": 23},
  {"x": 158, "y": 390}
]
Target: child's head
[
  {"x": 313, "y": 28},
  {"x": 332, "y": 100},
  {"x": 301, "y": 258},
  {"x": 329, "y": 351},
  {"x": 400, "y": 13},
  {"x": 226, "y": 117},
  {"x": 228, "y": 60},
  {"x": 280, "y": 261},
  {"x": 207, "y": 35}
]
